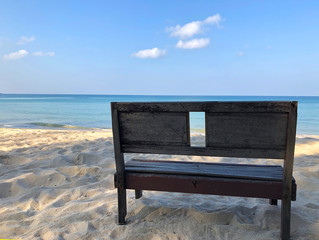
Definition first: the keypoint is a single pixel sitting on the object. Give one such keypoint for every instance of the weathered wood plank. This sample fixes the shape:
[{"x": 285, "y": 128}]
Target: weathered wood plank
[
  {"x": 287, "y": 175},
  {"x": 252, "y": 172},
  {"x": 119, "y": 158},
  {"x": 120, "y": 167},
  {"x": 204, "y": 185},
  {"x": 206, "y": 163},
  {"x": 205, "y": 151},
  {"x": 212, "y": 106},
  {"x": 154, "y": 128},
  {"x": 140, "y": 177},
  {"x": 247, "y": 130}
]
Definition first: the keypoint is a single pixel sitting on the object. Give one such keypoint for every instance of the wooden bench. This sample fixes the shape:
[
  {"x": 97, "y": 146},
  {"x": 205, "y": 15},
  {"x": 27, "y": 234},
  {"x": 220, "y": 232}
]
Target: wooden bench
[{"x": 233, "y": 129}]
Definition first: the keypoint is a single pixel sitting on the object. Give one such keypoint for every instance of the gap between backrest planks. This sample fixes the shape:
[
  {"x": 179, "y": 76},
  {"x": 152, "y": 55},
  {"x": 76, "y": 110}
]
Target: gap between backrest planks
[{"x": 233, "y": 129}]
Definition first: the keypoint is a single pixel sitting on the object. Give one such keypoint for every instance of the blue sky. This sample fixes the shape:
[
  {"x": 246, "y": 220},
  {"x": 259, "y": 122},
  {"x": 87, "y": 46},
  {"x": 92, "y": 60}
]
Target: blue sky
[{"x": 160, "y": 47}]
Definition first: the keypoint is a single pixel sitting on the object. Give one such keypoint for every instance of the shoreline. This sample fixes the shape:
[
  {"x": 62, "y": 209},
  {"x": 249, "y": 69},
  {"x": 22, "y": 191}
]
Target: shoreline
[
  {"x": 93, "y": 111},
  {"x": 59, "y": 184},
  {"x": 76, "y": 128}
]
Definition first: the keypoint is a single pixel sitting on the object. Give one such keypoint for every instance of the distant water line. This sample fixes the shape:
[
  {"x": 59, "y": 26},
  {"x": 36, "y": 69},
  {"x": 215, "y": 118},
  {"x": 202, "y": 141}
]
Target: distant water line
[{"x": 93, "y": 111}]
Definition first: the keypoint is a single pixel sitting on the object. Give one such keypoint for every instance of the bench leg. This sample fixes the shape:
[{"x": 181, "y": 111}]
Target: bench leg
[
  {"x": 285, "y": 218},
  {"x": 138, "y": 194},
  {"x": 121, "y": 194},
  {"x": 273, "y": 202}
]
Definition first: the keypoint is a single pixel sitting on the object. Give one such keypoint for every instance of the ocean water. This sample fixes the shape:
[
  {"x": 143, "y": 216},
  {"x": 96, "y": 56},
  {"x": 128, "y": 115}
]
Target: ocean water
[{"x": 93, "y": 111}]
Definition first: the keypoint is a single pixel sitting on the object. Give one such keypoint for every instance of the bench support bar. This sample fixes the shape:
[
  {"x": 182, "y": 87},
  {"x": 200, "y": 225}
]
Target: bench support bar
[
  {"x": 121, "y": 193},
  {"x": 285, "y": 218},
  {"x": 273, "y": 202},
  {"x": 138, "y": 194}
]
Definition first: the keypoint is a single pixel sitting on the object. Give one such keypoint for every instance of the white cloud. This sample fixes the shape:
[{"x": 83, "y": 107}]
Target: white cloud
[
  {"x": 16, "y": 55},
  {"x": 194, "y": 43},
  {"x": 42, "y": 54},
  {"x": 150, "y": 53},
  {"x": 23, "y": 53},
  {"x": 240, "y": 53},
  {"x": 190, "y": 29},
  {"x": 215, "y": 19},
  {"x": 24, "y": 40}
]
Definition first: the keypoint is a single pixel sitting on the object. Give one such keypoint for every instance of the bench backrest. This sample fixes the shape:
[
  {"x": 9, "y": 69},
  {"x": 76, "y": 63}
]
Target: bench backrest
[{"x": 233, "y": 129}]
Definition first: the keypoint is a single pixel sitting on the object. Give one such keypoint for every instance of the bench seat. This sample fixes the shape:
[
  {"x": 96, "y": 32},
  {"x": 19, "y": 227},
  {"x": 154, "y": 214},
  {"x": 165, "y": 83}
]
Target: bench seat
[
  {"x": 253, "y": 129},
  {"x": 260, "y": 181}
]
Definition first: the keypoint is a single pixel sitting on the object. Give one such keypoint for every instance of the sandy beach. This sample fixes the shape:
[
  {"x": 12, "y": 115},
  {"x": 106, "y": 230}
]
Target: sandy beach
[{"x": 58, "y": 184}]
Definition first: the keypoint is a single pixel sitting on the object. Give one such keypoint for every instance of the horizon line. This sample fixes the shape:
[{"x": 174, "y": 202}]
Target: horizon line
[{"x": 168, "y": 95}]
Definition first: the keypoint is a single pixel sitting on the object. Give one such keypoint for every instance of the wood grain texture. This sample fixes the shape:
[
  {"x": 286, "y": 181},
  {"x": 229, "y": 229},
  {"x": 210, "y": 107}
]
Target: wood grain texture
[
  {"x": 120, "y": 167},
  {"x": 239, "y": 171},
  {"x": 119, "y": 158},
  {"x": 150, "y": 128},
  {"x": 205, "y": 151},
  {"x": 287, "y": 175},
  {"x": 247, "y": 130},
  {"x": 260, "y": 106},
  {"x": 204, "y": 185}
]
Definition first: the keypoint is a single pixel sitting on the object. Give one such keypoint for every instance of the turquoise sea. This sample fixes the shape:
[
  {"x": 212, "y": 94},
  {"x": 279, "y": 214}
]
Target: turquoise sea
[{"x": 93, "y": 111}]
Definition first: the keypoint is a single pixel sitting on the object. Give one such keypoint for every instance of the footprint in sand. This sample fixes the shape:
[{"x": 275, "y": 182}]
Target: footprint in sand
[
  {"x": 77, "y": 148},
  {"x": 5, "y": 190},
  {"x": 87, "y": 158},
  {"x": 4, "y": 159},
  {"x": 312, "y": 205},
  {"x": 21, "y": 150},
  {"x": 13, "y": 160}
]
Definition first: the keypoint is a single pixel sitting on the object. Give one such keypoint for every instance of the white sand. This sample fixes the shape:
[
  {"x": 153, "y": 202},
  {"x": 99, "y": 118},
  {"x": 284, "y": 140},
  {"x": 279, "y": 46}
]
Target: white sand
[{"x": 58, "y": 184}]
